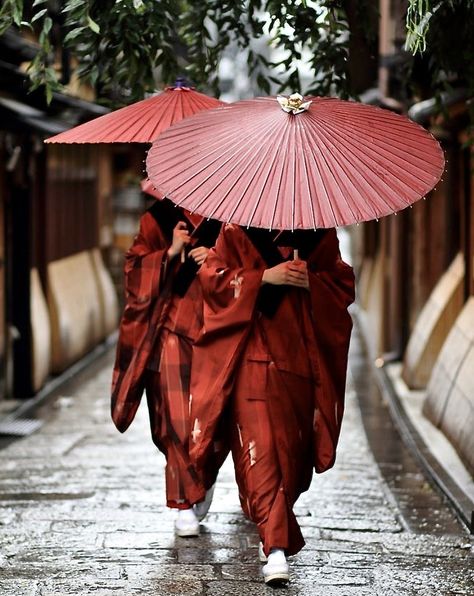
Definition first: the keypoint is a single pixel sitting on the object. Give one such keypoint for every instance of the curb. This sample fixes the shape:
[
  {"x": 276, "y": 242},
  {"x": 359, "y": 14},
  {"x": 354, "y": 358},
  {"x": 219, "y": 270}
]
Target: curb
[
  {"x": 461, "y": 503},
  {"x": 49, "y": 390}
]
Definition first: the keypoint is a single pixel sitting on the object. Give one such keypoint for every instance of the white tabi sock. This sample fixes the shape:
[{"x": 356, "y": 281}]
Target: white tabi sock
[
  {"x": 276, "y": 556},
  {"x": 187, "y": 515}
]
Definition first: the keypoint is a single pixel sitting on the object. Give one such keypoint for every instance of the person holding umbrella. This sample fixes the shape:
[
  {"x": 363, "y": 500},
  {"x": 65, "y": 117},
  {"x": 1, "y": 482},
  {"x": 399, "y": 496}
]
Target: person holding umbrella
[
  {"x": 161, "y": 320},
  {"x": 163, "y": 308},
  {"x": 270, "y": 363},
  {"x": 276, "y": 336}
]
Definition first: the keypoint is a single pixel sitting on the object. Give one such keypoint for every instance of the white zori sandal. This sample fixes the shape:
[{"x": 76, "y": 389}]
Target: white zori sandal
[
  {"x": 276, "y": 572},
  {"x": 186, "y": 524}
]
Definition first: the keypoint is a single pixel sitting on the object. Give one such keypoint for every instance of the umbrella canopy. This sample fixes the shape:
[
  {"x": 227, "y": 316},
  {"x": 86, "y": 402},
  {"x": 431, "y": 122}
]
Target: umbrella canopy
[
  {"x": 289, "y": 164},
  {"x": 140, "y": 122},
  {"x": 147, "y": 187}
]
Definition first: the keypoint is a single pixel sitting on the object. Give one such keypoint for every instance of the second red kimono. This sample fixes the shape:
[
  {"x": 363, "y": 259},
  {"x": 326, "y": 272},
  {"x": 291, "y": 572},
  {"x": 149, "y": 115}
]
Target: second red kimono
[{"x": 161, "y": 320}]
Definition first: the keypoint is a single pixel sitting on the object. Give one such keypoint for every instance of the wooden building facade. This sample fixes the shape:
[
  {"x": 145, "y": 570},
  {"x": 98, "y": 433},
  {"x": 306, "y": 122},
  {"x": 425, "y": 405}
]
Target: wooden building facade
[
  {"x": 57, "y": 299},
  {"x": 416, "y": 269}
]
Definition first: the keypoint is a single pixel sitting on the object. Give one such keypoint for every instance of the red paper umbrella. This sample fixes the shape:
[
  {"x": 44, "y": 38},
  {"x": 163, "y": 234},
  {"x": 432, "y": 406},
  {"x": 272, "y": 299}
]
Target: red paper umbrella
[
  {"x": 292, "y": 163},
  {"x": 142, "y": 121},
  {"x": 147, "y": 187}
]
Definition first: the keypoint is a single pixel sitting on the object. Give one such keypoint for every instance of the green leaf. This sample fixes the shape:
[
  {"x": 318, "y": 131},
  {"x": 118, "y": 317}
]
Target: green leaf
[
  {"x": 39, "y": 15},
  {"x": 5, "y": 23},
  {"x": 93, "y": 25},
  {"x": 263, "y": 83},
  {"x": 48, "y": 23},
  {"x": 73, "y": 34},
  {"x": 16, "y": 8},
  {"x": 39, "y": 2},
  {"x": 73, "y": 4}
]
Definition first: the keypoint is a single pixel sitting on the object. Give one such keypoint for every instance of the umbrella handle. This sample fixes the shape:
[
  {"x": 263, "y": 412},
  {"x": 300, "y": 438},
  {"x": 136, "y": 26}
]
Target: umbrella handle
[
  {"x": 296, "y": 255},
  {"x": 183, "y": 255}
]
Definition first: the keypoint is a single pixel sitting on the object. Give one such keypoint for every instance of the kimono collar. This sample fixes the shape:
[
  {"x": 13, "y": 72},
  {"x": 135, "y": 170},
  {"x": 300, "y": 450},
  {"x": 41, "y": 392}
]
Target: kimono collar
[
  {"x": 267, "y": 242},
  {"x": 167, "y": 215}
]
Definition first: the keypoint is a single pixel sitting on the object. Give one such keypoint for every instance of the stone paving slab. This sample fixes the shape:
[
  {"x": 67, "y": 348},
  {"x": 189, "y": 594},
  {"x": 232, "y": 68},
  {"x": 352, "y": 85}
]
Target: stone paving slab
[{"x": 82, "y": 512}]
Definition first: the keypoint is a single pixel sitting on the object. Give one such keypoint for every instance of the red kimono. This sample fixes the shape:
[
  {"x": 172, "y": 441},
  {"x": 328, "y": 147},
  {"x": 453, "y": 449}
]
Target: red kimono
[
  {"x": 161, "y": 320},
  {"x": 271, "y": 364}
]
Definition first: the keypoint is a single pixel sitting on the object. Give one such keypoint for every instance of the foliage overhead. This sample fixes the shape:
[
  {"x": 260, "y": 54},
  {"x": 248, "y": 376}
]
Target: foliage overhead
[
  {"x": 124, "y": 47},
  {"x": 129, "y": 44},
  {"x": 441, "y": 32}
]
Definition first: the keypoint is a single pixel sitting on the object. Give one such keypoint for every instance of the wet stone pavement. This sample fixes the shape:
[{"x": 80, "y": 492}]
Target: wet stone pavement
[{"x": 81, "y": 512}]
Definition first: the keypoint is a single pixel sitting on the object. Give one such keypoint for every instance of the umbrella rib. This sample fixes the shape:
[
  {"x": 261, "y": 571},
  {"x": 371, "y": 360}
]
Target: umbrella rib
[
  {"x": 374, "y": 213},
  {"x": 398, "y": 124},
  {"x": 363, "y": 114},
  {"x": 324, "y": 156},
  {"x": 401, "y": 151},
  {"x": 398, "y": 134},
  {"x": 343, "y": 139},
  {"x": 152, "y": 110},
  {"x": 110, "y": 130},
  {"x": 348, "y": 178},
  {"x": 213, "y": 173},
  {"x": 323, "y": 189},
  {"x": 269, "y": 170},
  {"x": 305, "y": 166},
  {"x": 215, "y": 147},
  {"x": 278, "y": 189},
  {"x": 235, "y": 166},
  {"x": 370, "y": 149},
  {"x": 375, "y": 134},
  {"x": 256, "y": 169},
  {"x": 355, "y": 164}
]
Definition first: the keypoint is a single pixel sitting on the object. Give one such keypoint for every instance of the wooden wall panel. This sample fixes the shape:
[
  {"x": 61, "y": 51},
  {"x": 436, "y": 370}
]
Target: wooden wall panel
[{"x": 71, "y": 201}]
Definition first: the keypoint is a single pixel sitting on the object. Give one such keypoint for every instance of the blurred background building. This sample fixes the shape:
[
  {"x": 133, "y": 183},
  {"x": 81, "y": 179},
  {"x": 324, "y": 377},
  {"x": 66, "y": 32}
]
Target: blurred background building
[
  {"x": 416, "y": 268},
  {"x": 67, "y": 213}
]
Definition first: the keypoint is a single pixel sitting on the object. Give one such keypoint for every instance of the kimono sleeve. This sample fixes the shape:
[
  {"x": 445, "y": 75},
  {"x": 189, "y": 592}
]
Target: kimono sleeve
[
  {"x": 332, "y": 291},
  {"x": 144, "y": 272},
  {"x": 231, "y": 281},
  {"x": 146, "y": 263}
]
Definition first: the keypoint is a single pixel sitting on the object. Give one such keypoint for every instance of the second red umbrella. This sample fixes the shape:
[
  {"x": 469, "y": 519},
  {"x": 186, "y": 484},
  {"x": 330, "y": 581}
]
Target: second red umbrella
[{"x": 142, "y": 121}]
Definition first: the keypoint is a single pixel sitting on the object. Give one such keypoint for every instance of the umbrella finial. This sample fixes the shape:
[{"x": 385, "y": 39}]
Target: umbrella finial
[
  {"x": 181, "y": 82},
  {"x": 294, "y": 104}
]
